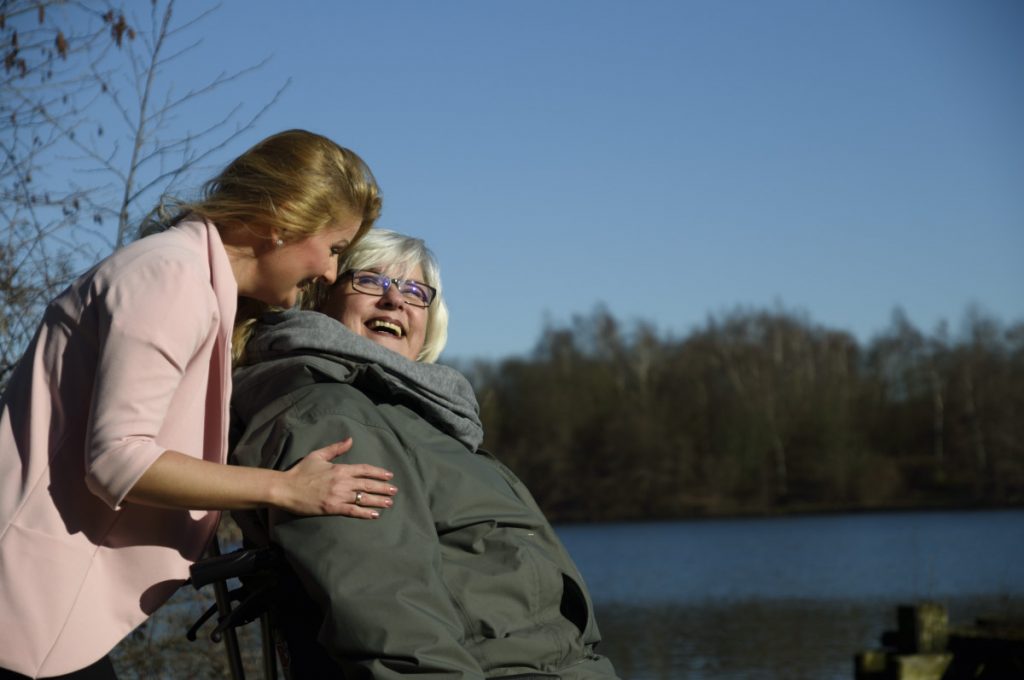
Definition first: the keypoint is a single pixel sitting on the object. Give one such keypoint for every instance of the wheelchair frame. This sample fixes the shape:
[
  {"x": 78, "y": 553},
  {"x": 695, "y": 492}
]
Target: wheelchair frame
[{"x": 254, "y": 602}]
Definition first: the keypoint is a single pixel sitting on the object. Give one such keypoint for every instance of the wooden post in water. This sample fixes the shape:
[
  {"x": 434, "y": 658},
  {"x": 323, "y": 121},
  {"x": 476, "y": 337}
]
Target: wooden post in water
[
  {"x": 915, "y": 651},
  {"x": 922, "y": 628},
  {"x": 925, "y": 647}
]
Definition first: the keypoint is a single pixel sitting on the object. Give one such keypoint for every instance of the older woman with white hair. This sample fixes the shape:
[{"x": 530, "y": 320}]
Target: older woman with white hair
[{"x": 462, "y": 575}]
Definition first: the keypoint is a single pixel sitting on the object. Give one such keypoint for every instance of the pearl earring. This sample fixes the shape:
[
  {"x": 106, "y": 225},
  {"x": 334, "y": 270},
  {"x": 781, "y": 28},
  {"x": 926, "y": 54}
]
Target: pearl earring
[{"x": 279, "y": 242}]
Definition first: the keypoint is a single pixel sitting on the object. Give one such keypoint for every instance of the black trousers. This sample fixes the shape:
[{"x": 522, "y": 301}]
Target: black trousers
[{"x": 101, "y": 670}]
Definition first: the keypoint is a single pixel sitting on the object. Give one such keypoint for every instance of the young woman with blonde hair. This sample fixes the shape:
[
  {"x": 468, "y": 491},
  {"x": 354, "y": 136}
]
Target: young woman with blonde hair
[{"x": 114, "y": 425}]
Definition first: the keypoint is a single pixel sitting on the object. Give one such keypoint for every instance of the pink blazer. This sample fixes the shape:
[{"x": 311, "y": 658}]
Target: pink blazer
[{"x": 132, "y": 359}]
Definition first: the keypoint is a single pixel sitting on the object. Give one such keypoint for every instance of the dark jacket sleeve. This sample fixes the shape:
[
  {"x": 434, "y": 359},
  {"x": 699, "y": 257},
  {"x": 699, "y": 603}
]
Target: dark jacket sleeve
[{"x": 387, "y": 611}]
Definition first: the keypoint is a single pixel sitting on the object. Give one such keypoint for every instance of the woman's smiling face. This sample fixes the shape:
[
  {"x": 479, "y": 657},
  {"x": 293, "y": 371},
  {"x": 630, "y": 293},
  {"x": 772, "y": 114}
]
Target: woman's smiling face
[
  {"x": 280, "y": 273},
  {"x": 388, "y": 320}
]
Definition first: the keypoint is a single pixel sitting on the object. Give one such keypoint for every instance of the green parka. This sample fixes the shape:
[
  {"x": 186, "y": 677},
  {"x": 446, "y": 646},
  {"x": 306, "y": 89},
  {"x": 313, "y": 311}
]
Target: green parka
[{"x": 463, "y": 577}]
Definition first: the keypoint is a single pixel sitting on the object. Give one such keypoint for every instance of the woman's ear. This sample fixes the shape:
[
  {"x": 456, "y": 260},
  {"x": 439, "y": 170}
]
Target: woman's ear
[{"x": 276, "y": 237}]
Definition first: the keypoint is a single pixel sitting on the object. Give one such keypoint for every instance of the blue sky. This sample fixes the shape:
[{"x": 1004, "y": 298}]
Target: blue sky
[{"x": 666, "y": 159}]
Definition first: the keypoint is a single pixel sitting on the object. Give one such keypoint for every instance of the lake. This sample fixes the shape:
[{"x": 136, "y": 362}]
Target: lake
[{"x": 791, "y": 597}]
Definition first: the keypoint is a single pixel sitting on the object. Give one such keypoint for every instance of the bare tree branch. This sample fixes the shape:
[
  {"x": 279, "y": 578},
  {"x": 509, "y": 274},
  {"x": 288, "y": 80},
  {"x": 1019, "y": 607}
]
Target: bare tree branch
[{"x": 89, "y": 131}]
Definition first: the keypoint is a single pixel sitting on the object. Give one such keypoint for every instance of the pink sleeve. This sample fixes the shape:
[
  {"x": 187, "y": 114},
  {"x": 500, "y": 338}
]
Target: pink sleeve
[{"x": 153, "y": 319}]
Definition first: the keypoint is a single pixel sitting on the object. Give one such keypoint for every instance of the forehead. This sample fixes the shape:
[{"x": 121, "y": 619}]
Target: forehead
[
  {"x": 344, "y": 230},
  {"x": 399, "y": 270}
]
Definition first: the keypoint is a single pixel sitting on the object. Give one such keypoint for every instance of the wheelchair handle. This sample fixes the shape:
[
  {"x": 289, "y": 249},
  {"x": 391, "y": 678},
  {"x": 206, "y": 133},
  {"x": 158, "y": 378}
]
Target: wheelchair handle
[{"x": 241, "y": 562}]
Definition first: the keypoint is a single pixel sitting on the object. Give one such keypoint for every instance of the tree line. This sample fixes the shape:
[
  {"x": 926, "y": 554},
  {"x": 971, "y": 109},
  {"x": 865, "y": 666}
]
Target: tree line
[{"x": 759, "y": 412}]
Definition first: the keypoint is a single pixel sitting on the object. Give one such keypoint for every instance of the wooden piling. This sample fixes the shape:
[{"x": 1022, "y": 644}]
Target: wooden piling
[
  {"x": 925, "y": 647},
  {"x": 922, "y": 628}
]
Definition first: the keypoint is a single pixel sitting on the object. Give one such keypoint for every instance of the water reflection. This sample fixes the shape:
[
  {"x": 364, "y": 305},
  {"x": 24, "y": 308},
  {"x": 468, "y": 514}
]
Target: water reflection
[
  {"x": 787, "y": 598},
  {"x": 759, "y": 639}
]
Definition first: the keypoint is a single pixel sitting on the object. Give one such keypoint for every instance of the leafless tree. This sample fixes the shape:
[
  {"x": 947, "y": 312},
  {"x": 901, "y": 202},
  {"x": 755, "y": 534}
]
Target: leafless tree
[{"x": 92, "y": 135}]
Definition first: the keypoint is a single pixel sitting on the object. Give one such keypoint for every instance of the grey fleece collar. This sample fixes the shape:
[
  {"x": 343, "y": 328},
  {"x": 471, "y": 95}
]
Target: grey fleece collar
[{"x": 444, "y": 396}]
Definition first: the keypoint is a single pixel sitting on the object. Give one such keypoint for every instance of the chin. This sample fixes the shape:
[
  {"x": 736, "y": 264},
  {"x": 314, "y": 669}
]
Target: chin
[
  {"x": 389, "y": 344},
  {"x": 289, "y": 300},
  {"x": 383, "y": 342},
  {"x": 284, "y": 300}
]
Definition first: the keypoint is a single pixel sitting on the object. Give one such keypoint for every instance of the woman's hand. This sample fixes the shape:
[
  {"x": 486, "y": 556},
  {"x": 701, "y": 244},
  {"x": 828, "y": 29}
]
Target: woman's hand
[{"x": 316, "y": 486}]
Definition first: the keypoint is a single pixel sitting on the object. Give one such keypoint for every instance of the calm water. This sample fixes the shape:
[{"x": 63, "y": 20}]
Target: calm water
[{"x": 787, "y": 598}]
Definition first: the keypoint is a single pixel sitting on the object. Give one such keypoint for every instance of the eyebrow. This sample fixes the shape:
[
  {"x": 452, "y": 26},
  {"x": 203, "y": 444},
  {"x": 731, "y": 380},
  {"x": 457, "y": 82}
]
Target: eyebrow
[{"x": 379, "y": 269}]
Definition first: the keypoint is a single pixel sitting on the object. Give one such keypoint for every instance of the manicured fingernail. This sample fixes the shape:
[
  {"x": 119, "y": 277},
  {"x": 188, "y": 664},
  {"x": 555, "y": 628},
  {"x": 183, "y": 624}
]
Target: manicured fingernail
[
  {"x": 389, "y": 502},
  {"x": 392, "y": 489},
  {"x": 375, "y": 514}
]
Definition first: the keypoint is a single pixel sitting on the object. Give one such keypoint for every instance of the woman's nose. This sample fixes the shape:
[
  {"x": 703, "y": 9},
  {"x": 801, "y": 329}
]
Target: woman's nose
[
  {"x": 331, "y": 273},
  {"x": 392, "y": 297}
]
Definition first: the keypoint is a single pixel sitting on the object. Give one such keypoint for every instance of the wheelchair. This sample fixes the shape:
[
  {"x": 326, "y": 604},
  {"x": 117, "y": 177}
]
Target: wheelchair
[
  {"x": 257, "y": 569},
  {"x": 269, "y": 592},
  {"x": 288, "y": 617}
]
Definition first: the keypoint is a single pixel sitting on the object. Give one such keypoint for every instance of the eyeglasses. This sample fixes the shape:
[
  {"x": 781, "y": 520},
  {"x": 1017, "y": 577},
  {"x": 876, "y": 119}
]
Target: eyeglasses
[{"x": 415, "y": 293}]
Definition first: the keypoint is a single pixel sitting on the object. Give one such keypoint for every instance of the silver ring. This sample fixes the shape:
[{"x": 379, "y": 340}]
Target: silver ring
[{"x": 359, "y": 497}]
